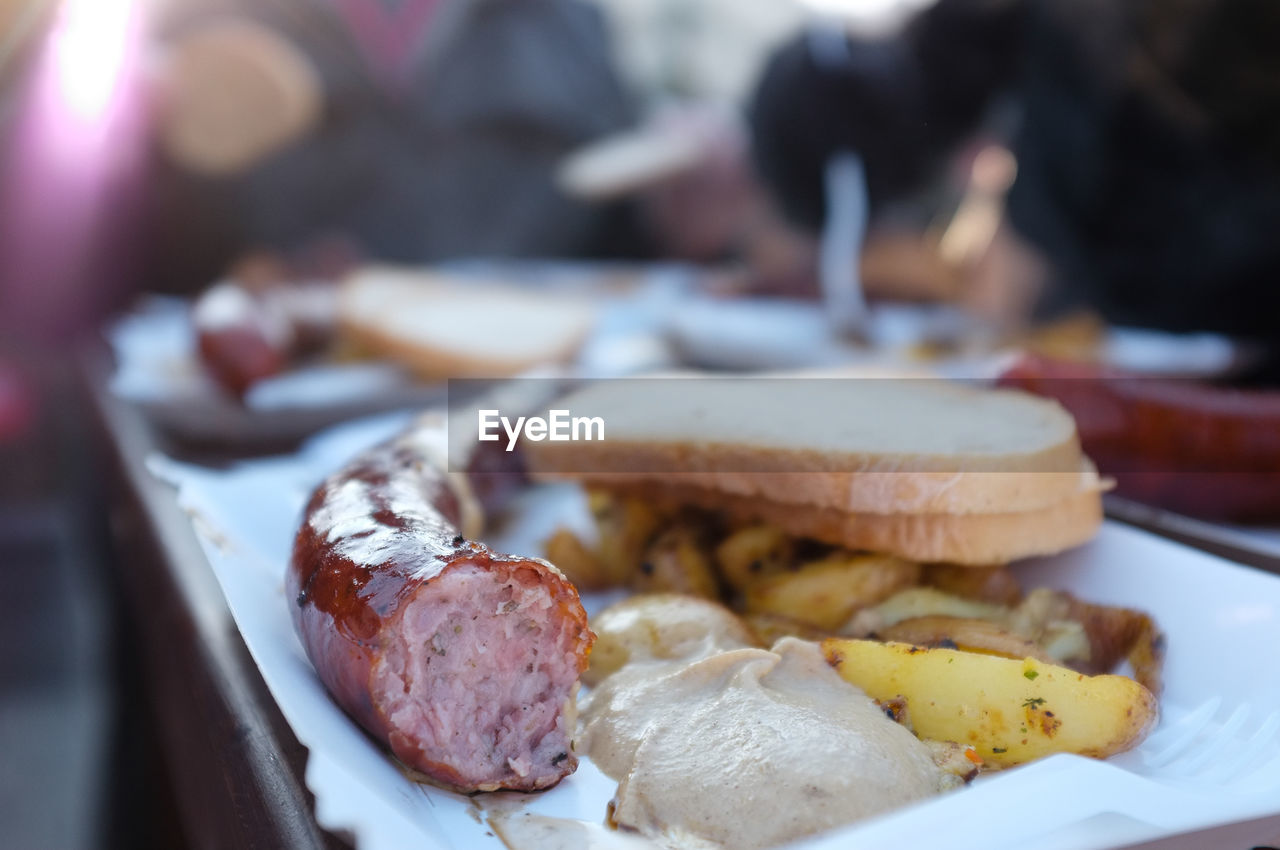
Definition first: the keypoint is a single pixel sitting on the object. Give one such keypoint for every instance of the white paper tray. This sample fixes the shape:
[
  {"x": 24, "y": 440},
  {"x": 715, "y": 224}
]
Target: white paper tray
[
  {"x": 158, "y": 367},
  {"x": 1222, "y": 621}
]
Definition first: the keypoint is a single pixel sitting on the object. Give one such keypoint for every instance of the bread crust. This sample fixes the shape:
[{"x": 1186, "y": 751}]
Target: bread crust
[
  {"x": 803, "y": 482},
  {"x": 810, "y": 446},
  {"x": 435, "y": 363},
  {"x": 373, "y": 299},
  {"x": 968, "y": 539}
]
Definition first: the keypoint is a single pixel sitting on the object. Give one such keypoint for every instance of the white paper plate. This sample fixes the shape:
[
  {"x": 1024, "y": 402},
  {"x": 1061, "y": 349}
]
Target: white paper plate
[
  {"x": 158, "y": 368},
  {"x": 1149, "y": 352},
  {"x": 1222, "y": 621}
]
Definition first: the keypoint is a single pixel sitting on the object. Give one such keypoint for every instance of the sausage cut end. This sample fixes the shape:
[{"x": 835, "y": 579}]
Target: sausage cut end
[{"x": 477, "y": 679}]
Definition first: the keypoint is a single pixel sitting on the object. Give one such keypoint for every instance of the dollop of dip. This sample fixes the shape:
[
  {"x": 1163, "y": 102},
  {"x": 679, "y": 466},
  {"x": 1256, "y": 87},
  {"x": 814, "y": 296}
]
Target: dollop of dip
[{"x": 716, "y": 743}]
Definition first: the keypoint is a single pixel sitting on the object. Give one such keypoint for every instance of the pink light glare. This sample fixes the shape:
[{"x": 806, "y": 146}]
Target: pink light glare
[
  {"x": 69, "y": 176},
  {"x": 89, "y": 48}
]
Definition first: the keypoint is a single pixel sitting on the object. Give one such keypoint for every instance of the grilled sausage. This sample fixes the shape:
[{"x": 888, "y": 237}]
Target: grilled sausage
[
  {"x": 464, "y": 661},
  {"x": 244, "y": 337},
  {"x": 237, "y": 342},
  {"x": 1198, "y": 448}
]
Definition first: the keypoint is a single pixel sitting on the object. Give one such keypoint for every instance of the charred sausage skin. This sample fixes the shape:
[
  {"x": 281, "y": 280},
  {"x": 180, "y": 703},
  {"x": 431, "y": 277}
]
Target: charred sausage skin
[
  {"x": 1191, "y": 446},
  {"x": 462, "y": 660}
]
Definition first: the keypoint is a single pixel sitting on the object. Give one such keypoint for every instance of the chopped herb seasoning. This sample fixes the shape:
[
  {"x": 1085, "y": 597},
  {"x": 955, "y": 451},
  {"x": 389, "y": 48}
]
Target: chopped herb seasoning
[
  {"x": 1033, "y": 702},
  {"x": 999, "y": 750},
  {"x": 1031, "y": 674}
]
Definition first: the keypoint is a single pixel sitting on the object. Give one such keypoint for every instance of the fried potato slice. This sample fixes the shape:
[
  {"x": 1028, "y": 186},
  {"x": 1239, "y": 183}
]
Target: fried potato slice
[
  {"x": 661, "y": 627},
  {"x": 985, "y": 584},
  {"x": 626, "y": 526},
  {"x": 577, "y": 561},
  {"x": 678, "y": 561},
  {"x": 770, "y": 628},
  {"x": 1093, "y": 638},
  {"x": 825, "y": 593},
  {"x": 753, "y": 552},
  {"x": 963, "y": 633},
  {"x": 1011, "y": 711},
  {"x": 919, "y": 602}
]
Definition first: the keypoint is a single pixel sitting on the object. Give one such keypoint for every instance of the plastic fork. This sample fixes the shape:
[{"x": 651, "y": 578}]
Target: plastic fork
[{"x": 1201, "y": 749}]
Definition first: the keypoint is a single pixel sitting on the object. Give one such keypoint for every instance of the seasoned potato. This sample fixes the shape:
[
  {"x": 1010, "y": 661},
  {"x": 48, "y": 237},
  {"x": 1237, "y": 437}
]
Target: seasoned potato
[
  {"x": 962, "y": 633},
  {"x": 1094, "y": 638},
  {"x": 920, "y": 602},
  {"x": 769, "y": 628},
  {"x": 677, "y": 561},
  {"x": 581, "y": 565},
  {"x": 1011, "y": 711},
  {"x": 753, "y": 552},
  {"x": 985, "y": 584},
  {"x": 825, "y": 593},
  {"x": 661, "y": 626},
  {"x": 626, "y": 527}
]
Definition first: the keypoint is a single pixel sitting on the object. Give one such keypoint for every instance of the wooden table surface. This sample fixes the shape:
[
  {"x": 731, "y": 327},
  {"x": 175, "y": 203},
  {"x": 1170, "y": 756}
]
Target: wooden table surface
[{"x": 236, "y": 766}]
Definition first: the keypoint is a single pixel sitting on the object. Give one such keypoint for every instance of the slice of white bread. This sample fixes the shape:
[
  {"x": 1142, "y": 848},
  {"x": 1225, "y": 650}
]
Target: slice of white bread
[
  {"x": 452, "y": 327},
  {"x": 969, "y": 539},
  {"x": 882, "y": 446}
]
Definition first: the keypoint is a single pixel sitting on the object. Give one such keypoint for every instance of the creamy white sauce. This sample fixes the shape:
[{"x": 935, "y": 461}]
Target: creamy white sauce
[
  {"x": 528, "y": 831},
  {"x": 748, "y": 748}
]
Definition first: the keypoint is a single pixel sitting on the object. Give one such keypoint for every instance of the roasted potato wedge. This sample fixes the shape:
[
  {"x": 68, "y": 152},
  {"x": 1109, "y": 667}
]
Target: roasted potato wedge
[
  {"x": 985, "y": 584},
  {"x": 753, "y": 552},
  {"x": 663, "y": 627},
  {"x": 578, "y": 562},
  {"x": 769, "y": 628},
  {"x": 1011, "y": 711},
  {"x": 626, "y": 527},
  {"x": 827, "y": 592},
  {"x": 677, "y": 561},
  {"x": 1092, "y": 638},
  {"x": 917, "y": 602},
  {"x": 961, "y": 633}
]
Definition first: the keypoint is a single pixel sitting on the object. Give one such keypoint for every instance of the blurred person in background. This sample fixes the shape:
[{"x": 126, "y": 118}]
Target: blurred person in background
[
  {"x": 399, "y": 130},
  {"x": 1147, "y": 146},
  {"x": 159, "y": 145}
]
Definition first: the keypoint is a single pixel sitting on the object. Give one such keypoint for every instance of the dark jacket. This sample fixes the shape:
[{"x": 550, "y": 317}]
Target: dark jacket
[
  {"x": 460, "y": 164},
  {"x": 1148, "y": 148}
]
